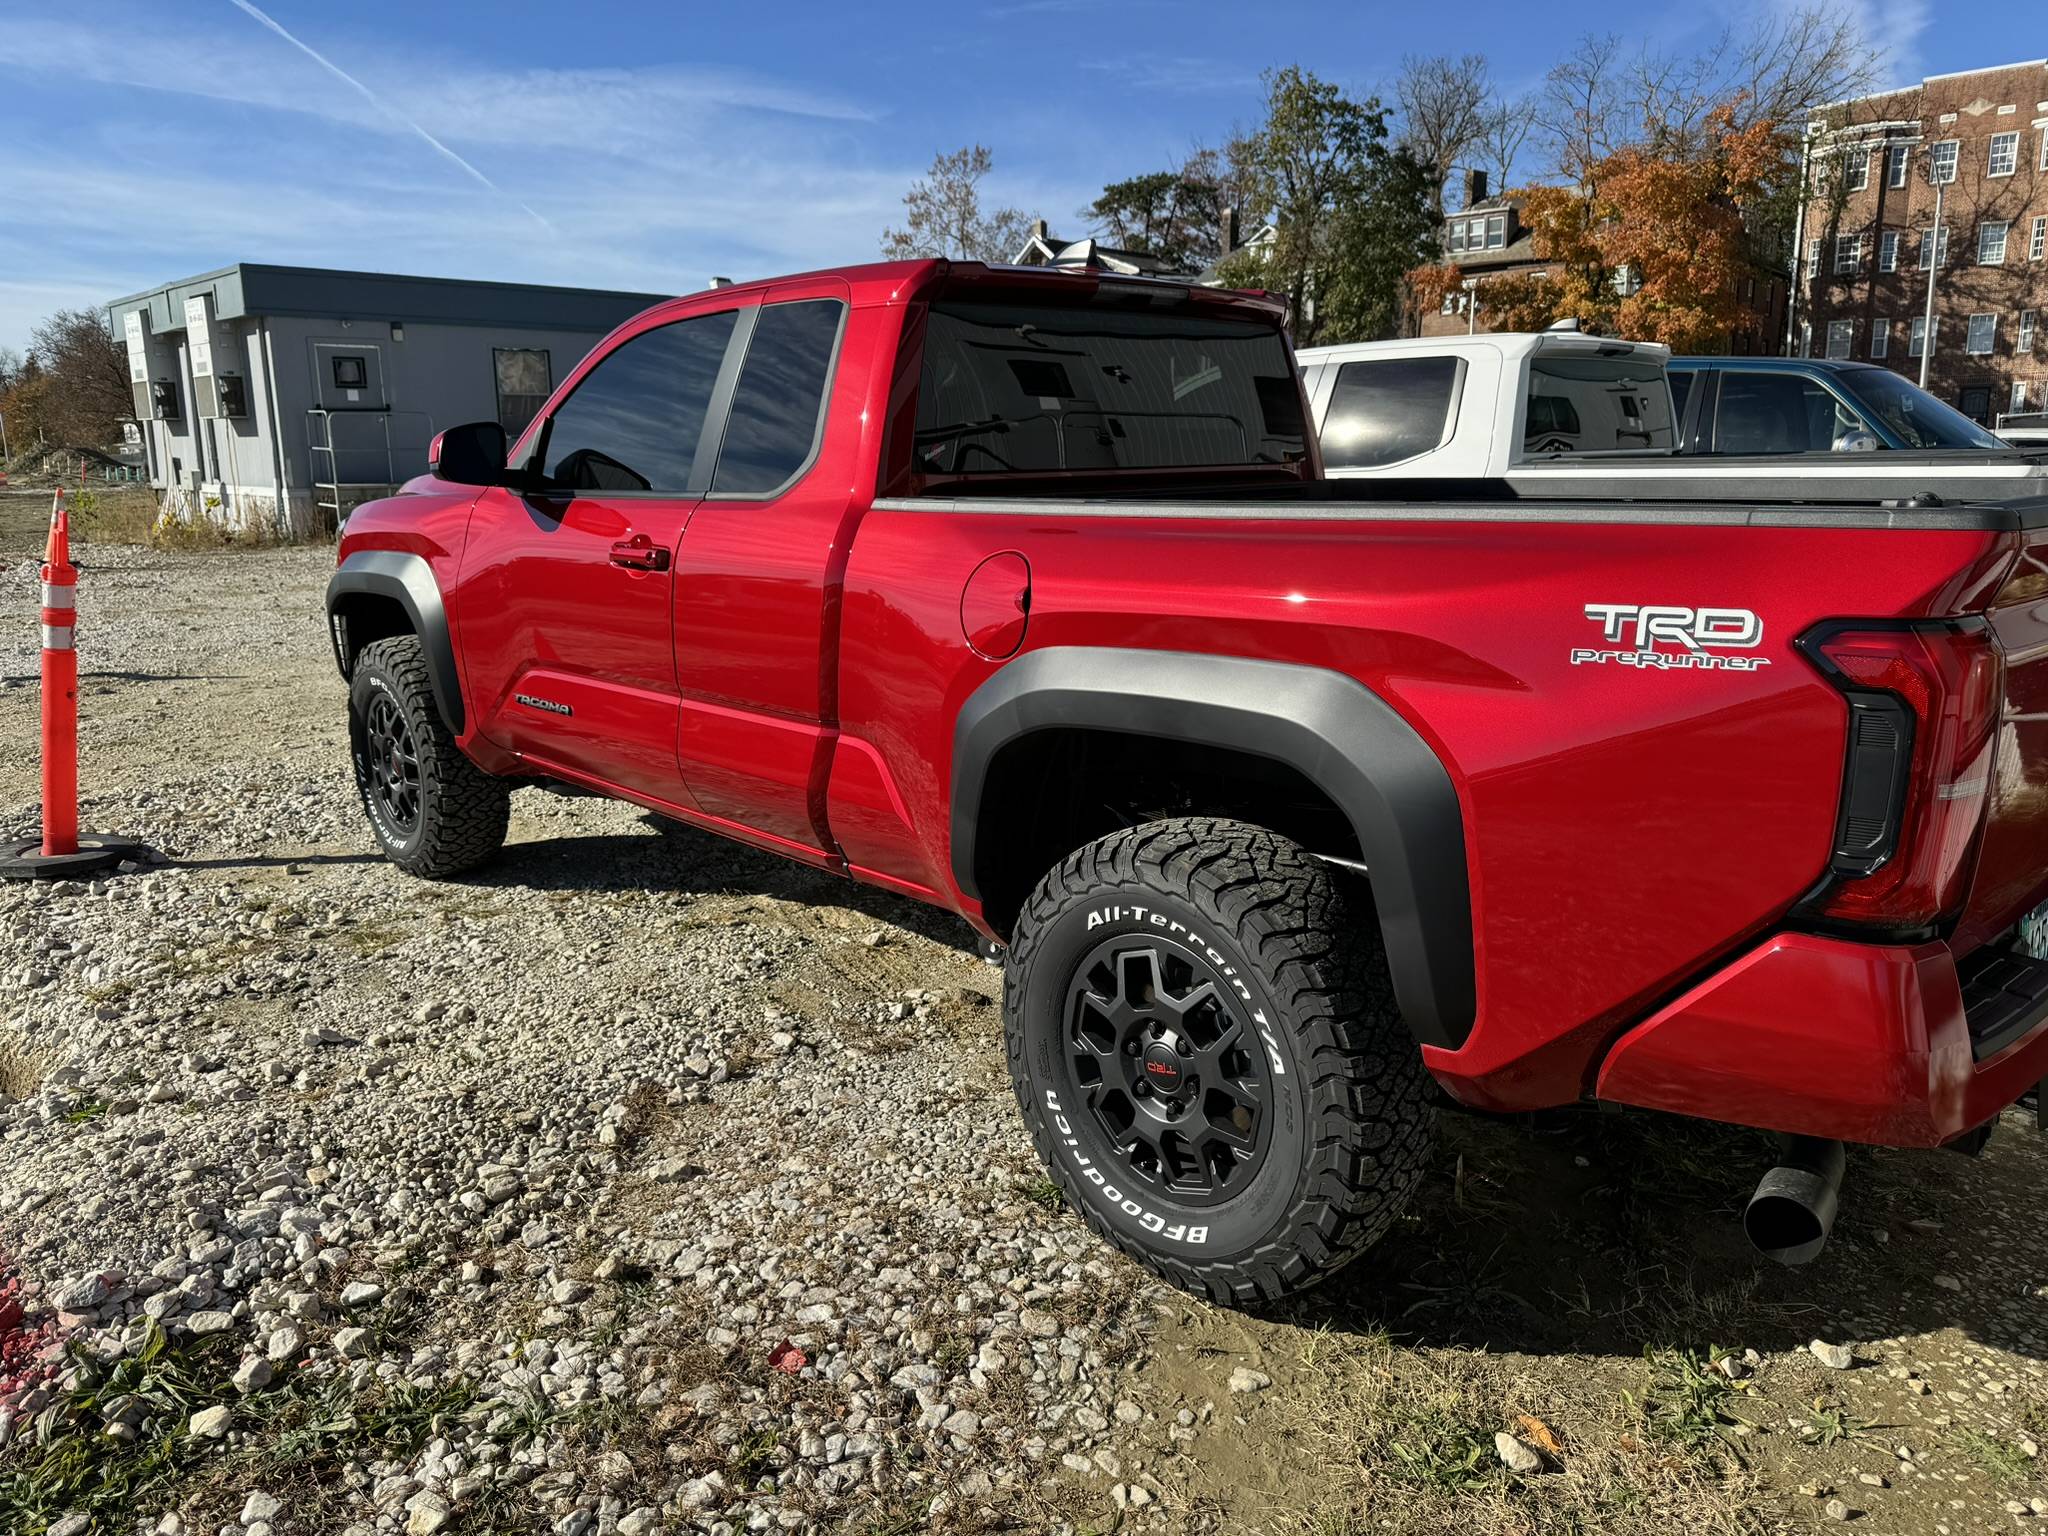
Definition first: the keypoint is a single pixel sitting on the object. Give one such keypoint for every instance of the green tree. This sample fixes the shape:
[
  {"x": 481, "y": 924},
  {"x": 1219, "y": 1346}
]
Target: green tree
[
  {"x": 1351, "y": 215},
  {"x": 1173, "y": 215},
  {"x": 1380, "y": 233}
]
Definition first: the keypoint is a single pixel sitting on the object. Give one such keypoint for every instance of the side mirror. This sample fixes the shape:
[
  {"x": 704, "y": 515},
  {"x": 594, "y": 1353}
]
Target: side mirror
[
  {"x": 1858, "y": 441},
  {"x": 472, "y": 454}
]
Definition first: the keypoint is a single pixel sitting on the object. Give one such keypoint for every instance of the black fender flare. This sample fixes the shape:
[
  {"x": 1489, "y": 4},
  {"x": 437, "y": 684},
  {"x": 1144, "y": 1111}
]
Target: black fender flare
[
  {"x": 407, "y": 580},
  {"x": 1334, "y": 730}
]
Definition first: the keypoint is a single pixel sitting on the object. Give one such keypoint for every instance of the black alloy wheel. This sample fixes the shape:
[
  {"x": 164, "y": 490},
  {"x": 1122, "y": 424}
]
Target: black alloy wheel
[
  {"x": 388, "y": 764},
  {"x": 1169, "y": 1066}
]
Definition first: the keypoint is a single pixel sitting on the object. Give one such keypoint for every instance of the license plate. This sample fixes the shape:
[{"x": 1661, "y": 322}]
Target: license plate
[{"x": 2033, "y": 935}]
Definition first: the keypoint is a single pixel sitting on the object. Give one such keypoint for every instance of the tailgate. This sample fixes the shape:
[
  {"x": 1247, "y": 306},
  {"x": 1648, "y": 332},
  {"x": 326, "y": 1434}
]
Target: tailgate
[{"x": 2012, "y": 866}]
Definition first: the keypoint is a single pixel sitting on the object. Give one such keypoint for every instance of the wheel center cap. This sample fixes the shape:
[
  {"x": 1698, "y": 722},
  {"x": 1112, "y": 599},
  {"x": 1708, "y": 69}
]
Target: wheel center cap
[{"x": 1162, "y": 1068}]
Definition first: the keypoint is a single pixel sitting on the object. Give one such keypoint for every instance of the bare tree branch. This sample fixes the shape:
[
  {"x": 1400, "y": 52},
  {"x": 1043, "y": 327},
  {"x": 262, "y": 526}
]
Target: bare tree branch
[{"x": 1444, "y": 111}]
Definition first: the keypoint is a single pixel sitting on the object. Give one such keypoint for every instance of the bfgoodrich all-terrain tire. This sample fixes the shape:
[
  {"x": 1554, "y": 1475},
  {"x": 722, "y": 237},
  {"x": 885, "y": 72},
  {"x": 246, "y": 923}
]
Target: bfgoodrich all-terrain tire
[
  {"x": 1204, "y": 1042},
  {"x": 434, "y": 812}
]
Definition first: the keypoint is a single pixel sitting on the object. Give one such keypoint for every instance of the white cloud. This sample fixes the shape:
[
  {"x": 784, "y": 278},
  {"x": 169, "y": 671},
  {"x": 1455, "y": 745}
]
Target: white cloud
[{"x": 219, "y": 142}]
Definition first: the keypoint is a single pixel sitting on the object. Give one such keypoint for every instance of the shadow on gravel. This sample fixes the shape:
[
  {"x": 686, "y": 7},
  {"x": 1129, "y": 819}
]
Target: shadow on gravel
[
  {"x": 280, "y": 861},
  {"x": 684, "y": 859},
  {"x": 1584, "y": 1232}
]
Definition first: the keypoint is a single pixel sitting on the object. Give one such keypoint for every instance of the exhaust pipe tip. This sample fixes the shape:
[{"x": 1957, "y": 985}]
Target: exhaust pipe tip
[{"x": 1793, "y": 1210}]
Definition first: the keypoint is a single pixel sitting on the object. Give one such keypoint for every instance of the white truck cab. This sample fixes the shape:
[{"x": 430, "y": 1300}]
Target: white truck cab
[
  {"x": 1475, "y": 407},
  {"x": 1558, "y": 414}
]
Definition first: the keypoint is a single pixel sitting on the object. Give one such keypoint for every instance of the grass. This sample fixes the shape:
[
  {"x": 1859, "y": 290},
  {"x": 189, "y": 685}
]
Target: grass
[
  {"x": 21, "y": 1069},
  {"x": 1688, "y": 1402},
  {"x": 1435, "y": 1449},
  {"x": 304, "y": 1427},
  {"x": 132, "y": 514},
  {"x": 1045, "y": 1194},
  {"x": 1830, "y": 1425},
  {"x": 2006, "y": 1463}
]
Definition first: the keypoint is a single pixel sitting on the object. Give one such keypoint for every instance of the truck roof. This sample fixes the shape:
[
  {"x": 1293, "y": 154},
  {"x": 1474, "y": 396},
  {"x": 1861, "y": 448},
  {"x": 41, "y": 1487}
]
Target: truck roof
[
  {"x": 886, "y": 282},
  {"x": 1779, "y": 364},
  {"x": 1513, "y": 345}
]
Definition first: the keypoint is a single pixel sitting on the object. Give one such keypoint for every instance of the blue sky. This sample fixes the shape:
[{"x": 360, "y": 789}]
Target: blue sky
[{"x": 648, "y": 145}]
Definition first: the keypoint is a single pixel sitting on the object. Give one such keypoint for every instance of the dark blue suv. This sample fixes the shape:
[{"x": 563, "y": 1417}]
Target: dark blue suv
[{"x": 1810, "y": 405}]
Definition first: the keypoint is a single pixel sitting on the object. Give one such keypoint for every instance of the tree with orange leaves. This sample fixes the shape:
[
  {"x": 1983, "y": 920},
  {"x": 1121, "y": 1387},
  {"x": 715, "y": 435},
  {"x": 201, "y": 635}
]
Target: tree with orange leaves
[{"x": 1647, "y": 245}]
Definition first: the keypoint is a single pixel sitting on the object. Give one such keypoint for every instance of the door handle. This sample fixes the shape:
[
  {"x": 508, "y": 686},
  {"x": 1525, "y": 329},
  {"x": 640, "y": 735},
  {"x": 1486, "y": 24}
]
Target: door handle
[{"x": 640, "y": 553}]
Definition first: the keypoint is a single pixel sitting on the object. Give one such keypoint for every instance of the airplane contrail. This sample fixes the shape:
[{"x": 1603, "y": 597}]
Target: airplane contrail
[{"x": 378, "y": 102}]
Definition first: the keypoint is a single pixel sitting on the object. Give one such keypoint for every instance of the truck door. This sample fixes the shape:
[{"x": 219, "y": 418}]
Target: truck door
[
  {"x": 757, "y": 581},
  {"x": 565, "y": 599}
]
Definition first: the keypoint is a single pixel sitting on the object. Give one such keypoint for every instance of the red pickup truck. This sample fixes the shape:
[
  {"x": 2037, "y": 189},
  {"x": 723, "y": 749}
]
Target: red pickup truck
[{"x": 1294, "y": 802}]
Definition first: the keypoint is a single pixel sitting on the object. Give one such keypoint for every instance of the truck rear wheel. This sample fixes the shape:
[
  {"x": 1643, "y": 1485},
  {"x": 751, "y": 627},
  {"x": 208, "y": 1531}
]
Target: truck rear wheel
[
  {"x": 434, "y": 812},
  {"x": 1203, "y": 1038}
]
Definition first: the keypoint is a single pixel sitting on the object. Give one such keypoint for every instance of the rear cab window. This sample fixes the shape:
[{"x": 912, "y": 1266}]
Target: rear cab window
[
  {"x": 1385, "y": 410},
  {"x": 1015, "y": 387},
  {"x": 778, "y": 406},
  {"x": 1597, "y": 402}
]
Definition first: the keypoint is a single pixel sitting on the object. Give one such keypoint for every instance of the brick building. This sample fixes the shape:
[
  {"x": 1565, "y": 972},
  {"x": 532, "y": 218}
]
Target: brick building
[
  {"x": 1869, "y": 248},
  {"x": 1487, "y": 239}
]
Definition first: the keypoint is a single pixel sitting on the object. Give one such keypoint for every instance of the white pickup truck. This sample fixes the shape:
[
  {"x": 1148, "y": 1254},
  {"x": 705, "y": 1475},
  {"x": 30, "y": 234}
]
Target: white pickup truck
[{"x": 1561, "y": 414}]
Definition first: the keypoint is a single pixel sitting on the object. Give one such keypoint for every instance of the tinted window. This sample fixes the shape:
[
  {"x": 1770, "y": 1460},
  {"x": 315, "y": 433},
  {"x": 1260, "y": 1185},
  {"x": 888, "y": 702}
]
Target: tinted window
[
  {"x": 1597, "y": 405},
  {"x": 1384, "y": 411},
  {"x": 1011, "y": 388},
  {"x": 780, "y": 398},
  {"x": 1780, "y": 413},
  {"x": 1681, "y": 387},
  {"x": 1920, "y": 420},
  {"x": 633, "y": 423}
]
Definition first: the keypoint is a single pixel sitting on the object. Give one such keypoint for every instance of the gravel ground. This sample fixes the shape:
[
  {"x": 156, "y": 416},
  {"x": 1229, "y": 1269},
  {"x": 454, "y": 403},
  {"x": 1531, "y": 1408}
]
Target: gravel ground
[{"x": 641, "y": 1183}]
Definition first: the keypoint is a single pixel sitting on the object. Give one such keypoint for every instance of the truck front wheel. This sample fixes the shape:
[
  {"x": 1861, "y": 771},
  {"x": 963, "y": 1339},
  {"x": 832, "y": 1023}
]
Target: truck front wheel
[
  {"x": 1203, "y": 1038},
  {"x": 434, "y": 812}
]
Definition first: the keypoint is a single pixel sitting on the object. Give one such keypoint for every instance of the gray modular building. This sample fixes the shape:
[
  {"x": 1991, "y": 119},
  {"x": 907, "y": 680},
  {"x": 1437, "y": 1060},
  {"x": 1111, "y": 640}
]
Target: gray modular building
[{"x": 279, "y": 397}]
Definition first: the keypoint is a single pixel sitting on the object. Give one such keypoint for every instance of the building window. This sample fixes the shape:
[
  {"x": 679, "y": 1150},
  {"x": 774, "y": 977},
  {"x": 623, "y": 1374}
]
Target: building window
[
  {"x": 2037, "y": 247},
  {"x": 1983, "y": 333},
  {"x": 1812, "y": 257},
  {"x": 2005, "y": 154},
  {"x": 1496, "y": 231},
  {"x": 2026, "y": 336},
  {"x": 1895, "y": 166},
  {"x": 1880, "y": 338},
  {"x": 1859, "y": 167},
  {"x": 1942, "y": 167},
  {"x": 1841, "y": 336},
  {"x": 1933, "y": 251},
  {"x": 1916, "y": 337},
  {"x": 1455, "y": 235},
  {"x": 1991, "y": 242},
  {"x": 2044, "y": 149},
  {"x": 1806, "y": 338},
  {"x": 2019, "y": 396},
  {"x": 1888, "y": 251},
  {"x": 1848, "y": 253},
  {"x": 525, "y": 380},
  {"x": 1450, "y": 304}
]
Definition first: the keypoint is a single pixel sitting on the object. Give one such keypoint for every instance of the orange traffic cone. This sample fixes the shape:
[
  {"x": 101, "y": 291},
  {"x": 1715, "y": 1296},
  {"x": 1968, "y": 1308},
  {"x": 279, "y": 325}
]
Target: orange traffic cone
[{"x": 61, "y": 853}]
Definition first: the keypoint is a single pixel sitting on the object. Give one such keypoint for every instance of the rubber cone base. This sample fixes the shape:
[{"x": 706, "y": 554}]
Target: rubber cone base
[{"x": 25, "y": 860}]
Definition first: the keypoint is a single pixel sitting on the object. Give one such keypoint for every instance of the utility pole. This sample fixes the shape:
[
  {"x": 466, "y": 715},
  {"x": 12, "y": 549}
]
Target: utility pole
[
  {"x": 1471, "y": 286},
  {"x": 1934, "y": 255}
]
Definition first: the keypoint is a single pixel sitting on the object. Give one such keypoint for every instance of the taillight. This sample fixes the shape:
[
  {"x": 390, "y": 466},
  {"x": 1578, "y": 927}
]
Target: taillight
[{"x": 1924, "y": 702}]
